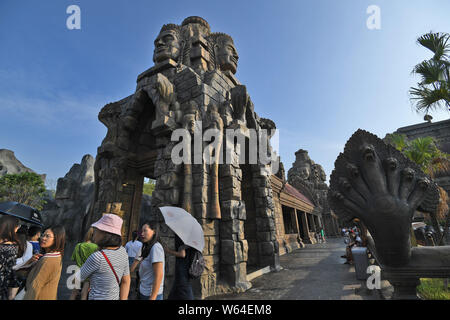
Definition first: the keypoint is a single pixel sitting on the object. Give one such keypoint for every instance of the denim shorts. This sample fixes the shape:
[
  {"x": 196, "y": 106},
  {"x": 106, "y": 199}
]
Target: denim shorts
[{"x": 158, "y": 297}]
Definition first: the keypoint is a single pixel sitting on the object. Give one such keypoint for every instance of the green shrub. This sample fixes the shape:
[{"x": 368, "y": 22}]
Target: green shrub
[
  {"x": 27, "y": 188},
  {"x": 433, "y": 289}
]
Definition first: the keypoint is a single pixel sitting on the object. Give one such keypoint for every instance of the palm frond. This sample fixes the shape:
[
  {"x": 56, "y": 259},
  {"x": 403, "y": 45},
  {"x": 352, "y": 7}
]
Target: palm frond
[
  {"x": 428, "y": 99},
  {"x": 431, "y": 71},
  {"x": 436, "y": 43}
]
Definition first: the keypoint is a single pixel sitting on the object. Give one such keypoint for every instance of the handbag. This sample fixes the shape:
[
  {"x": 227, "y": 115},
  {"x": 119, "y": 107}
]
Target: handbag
[{"x": 110, "y": 265}]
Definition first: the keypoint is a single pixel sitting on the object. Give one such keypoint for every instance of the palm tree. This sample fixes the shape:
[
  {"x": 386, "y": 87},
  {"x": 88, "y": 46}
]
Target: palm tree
[
  {"x": 433, "y": 162},
  {"x": 433, "y": 91}
]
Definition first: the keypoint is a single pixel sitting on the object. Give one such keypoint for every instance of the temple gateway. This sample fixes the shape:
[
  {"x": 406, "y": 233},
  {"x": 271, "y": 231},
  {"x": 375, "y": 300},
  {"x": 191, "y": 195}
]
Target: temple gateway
[{"x": 249, "y": 215}]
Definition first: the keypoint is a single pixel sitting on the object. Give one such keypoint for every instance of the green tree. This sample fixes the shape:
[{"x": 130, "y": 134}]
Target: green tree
[
  {"x": 433, "y": 162},
  {"x": 149, "y": 187},
  {"x": 27, "y": 188},
  {"x": 433, "y": 91},
  {"x": 422, "y": 151}
]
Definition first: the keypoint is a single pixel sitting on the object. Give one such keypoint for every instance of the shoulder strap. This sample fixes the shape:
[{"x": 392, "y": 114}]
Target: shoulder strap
[{"x": 110, "y": 265}]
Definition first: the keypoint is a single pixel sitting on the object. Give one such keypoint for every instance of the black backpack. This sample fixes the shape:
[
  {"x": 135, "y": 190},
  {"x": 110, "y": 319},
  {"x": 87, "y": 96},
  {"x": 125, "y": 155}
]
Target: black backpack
[{"x": 197, "y": 264}]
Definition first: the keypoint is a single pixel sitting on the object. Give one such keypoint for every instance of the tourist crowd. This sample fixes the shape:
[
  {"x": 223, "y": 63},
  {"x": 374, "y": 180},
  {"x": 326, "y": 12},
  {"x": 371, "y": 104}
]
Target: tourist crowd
[{"x": 31, "y": 262}]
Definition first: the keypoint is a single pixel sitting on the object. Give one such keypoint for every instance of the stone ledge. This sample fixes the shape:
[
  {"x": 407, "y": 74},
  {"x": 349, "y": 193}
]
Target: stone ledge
[{"x": 258, "y": 273}]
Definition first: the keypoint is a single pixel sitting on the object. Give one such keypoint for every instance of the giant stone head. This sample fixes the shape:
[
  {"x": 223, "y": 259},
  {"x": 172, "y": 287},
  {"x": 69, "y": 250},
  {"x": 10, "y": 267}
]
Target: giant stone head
[
  {"x": 226, "y": 53},
  {"x": 167, "y": 44}
]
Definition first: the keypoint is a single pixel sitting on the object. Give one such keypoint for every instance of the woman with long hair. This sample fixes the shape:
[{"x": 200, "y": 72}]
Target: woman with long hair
[
  {"x": 108, "y": 269},
  {"x": 42, "y": 281},
  {"x": 10, "y": 248},
  {"x": 21, "y": 261},
  {"x": 151, "y": 263}
]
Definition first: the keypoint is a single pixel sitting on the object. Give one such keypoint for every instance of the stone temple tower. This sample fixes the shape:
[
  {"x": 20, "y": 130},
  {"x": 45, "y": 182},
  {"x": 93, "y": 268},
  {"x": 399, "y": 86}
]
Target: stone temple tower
[{"x": 192, "y": 86}]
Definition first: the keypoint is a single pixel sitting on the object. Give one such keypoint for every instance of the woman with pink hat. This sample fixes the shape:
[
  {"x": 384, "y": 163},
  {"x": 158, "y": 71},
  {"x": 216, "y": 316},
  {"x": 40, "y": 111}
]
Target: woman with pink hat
[{"x": 108, "y": 268}]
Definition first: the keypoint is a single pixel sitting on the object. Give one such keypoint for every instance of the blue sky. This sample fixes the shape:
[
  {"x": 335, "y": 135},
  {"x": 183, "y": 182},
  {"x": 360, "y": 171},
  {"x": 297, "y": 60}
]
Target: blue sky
[{"x": 311, "y": 66}]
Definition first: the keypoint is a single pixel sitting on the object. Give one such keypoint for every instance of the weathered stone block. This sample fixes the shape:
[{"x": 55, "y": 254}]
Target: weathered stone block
[
  {"x": 236, "y": 276},
  {"x": 261, "y": 182},
  {"x": 265, "y": 236},
  {"x": 229, "y": 182},
  {"x": 210, "y": 227},
  {"x": 197, "y": 52},
  {"x": 200, "y": 168},
  {"x": 227, "y": 252},
  {"x": 262, "y": 192},
  {"x": 266, "y": 248},
  {"x": 200, "y": 179},
  {"x": 158, "y": 195},
  {"x": 244, "y": 246},
  {"x": 212, "y": 263},
  {"x": 201, "y": 210},
  {"x": 200, "y": 194},
  {"x": 233, "y": 209},
  {"x": 265, "y": 212},
  {"x": 227, "y": 170},
  {"x": 265, "y": 224},
  {"x": 230, "y": 194},
  {"x": 172, "y": 196},
  {"x": 228, "y": 228},
  {"x": 263, "y": 171},
  {"x": 168, "y": 180},
  {"x": 213, "y": 245},
  {"x": 231, "y": 252},
  {"x": 178, "y": 168}
]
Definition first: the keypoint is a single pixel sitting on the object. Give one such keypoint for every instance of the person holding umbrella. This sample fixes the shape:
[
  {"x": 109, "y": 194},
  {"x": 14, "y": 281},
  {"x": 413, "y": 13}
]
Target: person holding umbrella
[
  {"x": 151, "y": 261},
  {"x": 182, "y": 288},
  {"x": 10, "y": 248},
  {"x": 189, "y": 241}
]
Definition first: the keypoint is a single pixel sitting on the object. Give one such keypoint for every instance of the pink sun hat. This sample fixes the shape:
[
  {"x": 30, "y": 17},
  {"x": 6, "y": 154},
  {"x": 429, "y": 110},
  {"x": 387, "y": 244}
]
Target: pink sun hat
[{"x": 109, "y": 222}]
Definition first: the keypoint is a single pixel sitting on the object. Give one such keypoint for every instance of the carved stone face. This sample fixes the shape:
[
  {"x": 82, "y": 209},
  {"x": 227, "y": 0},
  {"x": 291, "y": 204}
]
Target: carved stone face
[
  {"x": 322, "y": 174},
  {"x": 189, "y": 123},
  {"x": 305, "y": 171},
  {"x": 167, "y": 45},
  {"x": 227, "y": 56}
]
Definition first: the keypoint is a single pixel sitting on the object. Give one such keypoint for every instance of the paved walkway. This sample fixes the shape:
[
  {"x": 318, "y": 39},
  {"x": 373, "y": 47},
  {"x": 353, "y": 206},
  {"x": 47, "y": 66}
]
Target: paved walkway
[{"x": 316, "y": 272}]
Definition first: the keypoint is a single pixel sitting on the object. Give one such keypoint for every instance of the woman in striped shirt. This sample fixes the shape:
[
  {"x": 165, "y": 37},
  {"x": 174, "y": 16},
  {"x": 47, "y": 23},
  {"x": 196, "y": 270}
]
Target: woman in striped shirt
[{"x": 108, "y": 268}]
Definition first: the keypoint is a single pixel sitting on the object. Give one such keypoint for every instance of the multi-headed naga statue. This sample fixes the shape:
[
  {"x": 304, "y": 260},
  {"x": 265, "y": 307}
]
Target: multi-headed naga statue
[{"x": 377, "y": 184}]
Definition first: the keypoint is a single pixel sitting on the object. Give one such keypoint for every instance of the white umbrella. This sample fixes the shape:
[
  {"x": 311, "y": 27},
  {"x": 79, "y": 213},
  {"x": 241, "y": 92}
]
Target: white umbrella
[
  {"x": 417, "y": 225},
  {"x": 185, "y": 226}
]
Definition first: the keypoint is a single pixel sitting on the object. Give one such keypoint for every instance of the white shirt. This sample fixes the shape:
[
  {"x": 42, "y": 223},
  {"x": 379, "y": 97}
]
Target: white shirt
[
  {"x": 25, "y": 257},
  {"x": 133, "y": 248},
  {"x": 146, "y": 269}
]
